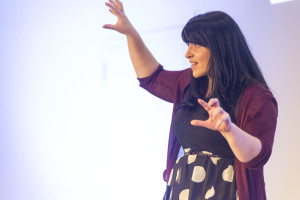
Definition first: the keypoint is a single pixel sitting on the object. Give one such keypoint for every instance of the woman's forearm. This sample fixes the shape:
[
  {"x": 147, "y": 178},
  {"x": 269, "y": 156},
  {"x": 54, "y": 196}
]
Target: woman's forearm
[
  {"x": 143, "y": 61},
  {"x": 244, "y": 146}
]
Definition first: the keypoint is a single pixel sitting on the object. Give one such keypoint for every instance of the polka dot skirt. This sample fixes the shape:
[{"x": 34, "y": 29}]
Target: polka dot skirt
[{"x": 200, "y": 176}]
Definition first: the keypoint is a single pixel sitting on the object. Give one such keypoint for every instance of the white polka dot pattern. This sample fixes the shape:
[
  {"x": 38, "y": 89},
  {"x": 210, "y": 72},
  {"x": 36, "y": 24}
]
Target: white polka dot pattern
[
  {"x": 228, "y": 174},
  {"x": 170, "y": 178},
  {"x": 178, "y": 175},
  {"x": 191, "y": 158},
  {"x": 206, "y": 153},
  {"x": 198, "y": 174},
  {"x": 210, "y": 193},
  {"x": 184, "y": 194},
  {"x": 178, "y": 160},
  {"x": 187, "y": 150},
  {"x": 194, "y": 171},
  {"x": 171, "y": 194},
  {"x": 214, "y": 160}
]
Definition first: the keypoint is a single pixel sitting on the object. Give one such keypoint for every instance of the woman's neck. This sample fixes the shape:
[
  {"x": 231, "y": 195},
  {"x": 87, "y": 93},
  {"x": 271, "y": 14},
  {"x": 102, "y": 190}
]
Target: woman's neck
[{"x": 209, "y": 88}]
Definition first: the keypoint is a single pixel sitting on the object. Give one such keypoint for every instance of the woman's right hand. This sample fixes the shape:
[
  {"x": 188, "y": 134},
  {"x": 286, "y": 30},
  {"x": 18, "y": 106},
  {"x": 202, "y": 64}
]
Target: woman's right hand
[
  {"x": 123, "y": 25},
  {"x": 143, "y": 62}
]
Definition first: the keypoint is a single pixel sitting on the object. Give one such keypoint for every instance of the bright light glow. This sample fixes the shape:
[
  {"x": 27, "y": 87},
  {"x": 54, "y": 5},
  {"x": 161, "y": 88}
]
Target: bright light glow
[{"x": 279, "y": 1}]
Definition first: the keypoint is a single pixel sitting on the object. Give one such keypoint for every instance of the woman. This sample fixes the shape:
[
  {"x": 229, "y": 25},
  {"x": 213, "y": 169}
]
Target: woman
[{"x": 224, "y": 115}]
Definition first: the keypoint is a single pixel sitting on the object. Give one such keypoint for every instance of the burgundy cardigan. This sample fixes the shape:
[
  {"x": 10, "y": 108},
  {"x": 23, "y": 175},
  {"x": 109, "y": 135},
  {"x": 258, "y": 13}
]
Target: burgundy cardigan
[{"x": 257, "y": 115}]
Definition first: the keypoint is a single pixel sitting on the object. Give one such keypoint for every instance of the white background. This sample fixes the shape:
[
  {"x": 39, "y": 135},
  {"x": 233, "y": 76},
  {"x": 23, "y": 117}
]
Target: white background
[{"x": 74, "y": 124}]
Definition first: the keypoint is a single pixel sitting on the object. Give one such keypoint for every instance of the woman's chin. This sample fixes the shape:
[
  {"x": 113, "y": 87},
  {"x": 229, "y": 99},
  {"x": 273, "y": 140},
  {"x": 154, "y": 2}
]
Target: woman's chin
[{"x": 197, "y": 75}]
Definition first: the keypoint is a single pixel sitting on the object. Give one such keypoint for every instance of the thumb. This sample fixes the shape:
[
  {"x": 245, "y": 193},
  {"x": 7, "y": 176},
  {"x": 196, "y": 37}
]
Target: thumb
[{"x": 109, "y": 26}]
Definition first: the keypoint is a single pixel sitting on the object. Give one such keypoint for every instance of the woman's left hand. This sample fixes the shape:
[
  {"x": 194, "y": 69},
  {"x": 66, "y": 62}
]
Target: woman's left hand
[{"x": 218, "y": 119}]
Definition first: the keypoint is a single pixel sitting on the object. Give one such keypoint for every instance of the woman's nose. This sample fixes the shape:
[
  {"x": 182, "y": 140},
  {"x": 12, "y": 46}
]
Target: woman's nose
[{"x": 188, "y": 53}]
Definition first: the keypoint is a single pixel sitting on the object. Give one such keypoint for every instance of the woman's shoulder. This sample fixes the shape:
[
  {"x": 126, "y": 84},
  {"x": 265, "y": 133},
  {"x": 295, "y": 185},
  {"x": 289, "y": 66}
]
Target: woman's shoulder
[
  {"x": 256, "y": 91},
  {"x": 256, "y": 100},
  {"x": 255, "y": 96}
]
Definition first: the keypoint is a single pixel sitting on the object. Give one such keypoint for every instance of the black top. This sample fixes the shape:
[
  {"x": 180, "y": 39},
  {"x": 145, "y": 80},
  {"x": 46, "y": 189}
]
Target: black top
[
  {"x": 199, "y": 138},
  {"x": 195, "y": 137}
]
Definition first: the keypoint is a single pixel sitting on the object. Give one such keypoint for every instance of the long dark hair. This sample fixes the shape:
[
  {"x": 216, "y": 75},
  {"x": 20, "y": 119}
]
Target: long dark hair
[{"x": 231, "y": 67}]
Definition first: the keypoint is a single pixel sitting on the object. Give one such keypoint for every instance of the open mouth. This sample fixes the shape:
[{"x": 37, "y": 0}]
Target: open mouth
[{"x": 194, "y": 64}]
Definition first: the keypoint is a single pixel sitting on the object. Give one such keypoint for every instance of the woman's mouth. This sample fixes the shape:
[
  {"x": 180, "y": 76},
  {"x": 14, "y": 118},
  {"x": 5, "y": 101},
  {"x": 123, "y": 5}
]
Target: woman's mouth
[{"x": 193, "y": 65}]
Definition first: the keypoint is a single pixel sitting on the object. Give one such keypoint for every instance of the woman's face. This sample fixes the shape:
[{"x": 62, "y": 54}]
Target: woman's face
[{"x": 199, "y": 57}]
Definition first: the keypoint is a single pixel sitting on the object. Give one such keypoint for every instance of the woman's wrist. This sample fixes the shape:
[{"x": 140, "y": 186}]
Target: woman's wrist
[{"x": 231, "y": 132}]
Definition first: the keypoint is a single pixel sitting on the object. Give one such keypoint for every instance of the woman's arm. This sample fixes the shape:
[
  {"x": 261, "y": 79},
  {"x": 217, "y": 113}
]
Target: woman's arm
[
  {"x": 244, "y": 145},
  {"x": 143, "y": 61}
]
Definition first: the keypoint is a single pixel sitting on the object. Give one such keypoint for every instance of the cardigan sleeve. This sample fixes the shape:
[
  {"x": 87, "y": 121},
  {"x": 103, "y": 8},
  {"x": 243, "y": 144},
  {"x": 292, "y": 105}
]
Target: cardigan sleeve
[
  {"x": 259, "y": 118},
  {"x": 164, "y": 84}
]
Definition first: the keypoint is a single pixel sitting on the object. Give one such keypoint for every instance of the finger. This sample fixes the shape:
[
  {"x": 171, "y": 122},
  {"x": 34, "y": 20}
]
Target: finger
[
  {"x": 113, "y": 12},
  {"x": 120, "y": 5},
  {"x": 214, "y": 102},
  {"x": 199, "y": 123},
  {"x": 224, "y": 120},
  {"x": 204, "y": 104},
  {"x": 113, "y": 9},
  {"x": 217, "y": 113},
  {"x": 218, "y": 125},
  {"x": 115, "y": 4}
]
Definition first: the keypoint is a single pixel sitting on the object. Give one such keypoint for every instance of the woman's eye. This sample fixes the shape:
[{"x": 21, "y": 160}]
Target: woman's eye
[{"x": 194, "y": 45}]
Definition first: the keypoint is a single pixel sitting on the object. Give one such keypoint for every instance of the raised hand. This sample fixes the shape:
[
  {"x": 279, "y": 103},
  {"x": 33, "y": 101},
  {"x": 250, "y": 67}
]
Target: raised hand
[
  {"x": 123, "y": 25},
  {"x": 218, "y": 119}
]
